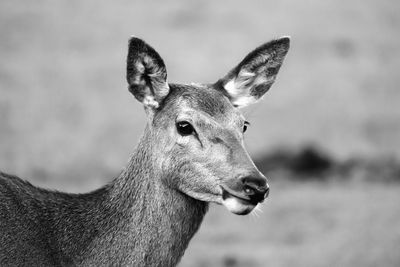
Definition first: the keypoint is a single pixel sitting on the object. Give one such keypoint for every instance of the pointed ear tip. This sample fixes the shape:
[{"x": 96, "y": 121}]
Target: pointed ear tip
[
  {"x": 285, "y": 40},
  {"x": 282, "y": 44},
  {"x": 134, "y": 39}
]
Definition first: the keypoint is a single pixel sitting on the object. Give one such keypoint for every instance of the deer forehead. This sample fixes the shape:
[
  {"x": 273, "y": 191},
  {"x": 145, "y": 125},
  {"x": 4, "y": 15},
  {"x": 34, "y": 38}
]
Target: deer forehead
[
  {"x": 203, "y": 120},
  {"x": 205, "y": 104}
]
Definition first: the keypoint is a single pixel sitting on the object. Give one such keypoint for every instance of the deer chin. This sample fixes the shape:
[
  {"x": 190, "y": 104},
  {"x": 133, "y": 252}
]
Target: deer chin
[{"x": 237, "y": 205}]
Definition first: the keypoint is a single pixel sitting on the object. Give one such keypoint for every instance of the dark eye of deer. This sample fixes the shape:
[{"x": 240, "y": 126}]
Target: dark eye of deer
[
  {"x": 246, "y": 123},
  {"x": 184, "y": 128}
]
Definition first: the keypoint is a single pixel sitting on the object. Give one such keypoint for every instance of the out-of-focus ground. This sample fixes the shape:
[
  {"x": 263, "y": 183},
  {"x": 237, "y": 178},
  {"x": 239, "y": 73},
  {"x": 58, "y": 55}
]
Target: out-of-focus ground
[
  {"x": 305, "y": 224},
  {"x": 68, "y": 122}
]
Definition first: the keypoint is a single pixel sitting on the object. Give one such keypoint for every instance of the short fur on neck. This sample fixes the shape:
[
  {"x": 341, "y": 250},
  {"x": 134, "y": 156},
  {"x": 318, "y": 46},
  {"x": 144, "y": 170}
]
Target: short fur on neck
[{"x": 148, "y": 225}]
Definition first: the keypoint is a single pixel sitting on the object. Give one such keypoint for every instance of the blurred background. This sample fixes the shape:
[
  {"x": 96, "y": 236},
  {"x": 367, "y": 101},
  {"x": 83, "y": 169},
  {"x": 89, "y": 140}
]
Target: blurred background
[{"x": 326, "y": 135}]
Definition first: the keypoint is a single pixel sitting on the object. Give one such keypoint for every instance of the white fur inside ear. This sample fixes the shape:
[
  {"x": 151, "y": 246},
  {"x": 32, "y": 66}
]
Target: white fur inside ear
[
  {"x": 237, "y": 86},
  {"x": 240, "y": 97},
  {"x": 243, "y": 101},
  {"x": 149, "y": 101},
  {"x": 231, "y": 88}
]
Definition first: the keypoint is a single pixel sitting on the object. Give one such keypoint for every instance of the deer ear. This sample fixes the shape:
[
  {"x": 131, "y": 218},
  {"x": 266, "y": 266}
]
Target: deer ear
[
  {"x": 253, "y": 77},
  {"x": 146, "y": 74}
]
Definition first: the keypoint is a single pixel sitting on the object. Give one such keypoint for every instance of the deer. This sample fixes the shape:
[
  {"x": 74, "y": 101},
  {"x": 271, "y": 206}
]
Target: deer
[{"x": 191, "y": 154}]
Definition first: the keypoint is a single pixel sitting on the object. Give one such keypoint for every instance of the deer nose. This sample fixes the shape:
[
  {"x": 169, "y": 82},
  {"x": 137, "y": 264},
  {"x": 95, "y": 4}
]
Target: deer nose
[{"x": 255, "y": 187}]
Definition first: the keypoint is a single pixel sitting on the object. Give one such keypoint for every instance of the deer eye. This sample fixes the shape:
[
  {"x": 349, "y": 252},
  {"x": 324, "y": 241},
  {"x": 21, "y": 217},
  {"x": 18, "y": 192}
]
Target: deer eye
[
  {"x": 184, "y": 128},
  {"x": 246, "y": 123}
]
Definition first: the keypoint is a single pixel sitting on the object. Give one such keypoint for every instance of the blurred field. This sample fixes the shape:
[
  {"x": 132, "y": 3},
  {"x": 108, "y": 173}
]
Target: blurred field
[
  {"x": 68, "y": 122},
  {"x": 305, "y": 224}
]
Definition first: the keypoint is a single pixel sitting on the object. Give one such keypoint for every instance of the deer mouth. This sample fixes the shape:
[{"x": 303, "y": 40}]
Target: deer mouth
[{"x": 237, "y": 203}]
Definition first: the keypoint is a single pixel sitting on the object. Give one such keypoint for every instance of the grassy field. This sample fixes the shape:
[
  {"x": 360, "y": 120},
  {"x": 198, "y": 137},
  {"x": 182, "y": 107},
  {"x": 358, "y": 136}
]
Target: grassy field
[
  {"x": 68, "y": 122},
  {"x": 306, "y": 224}
]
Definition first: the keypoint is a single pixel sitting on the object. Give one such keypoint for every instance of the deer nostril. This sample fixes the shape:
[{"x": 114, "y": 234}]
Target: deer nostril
[
  {"x": 255, "y": 182},
  {"x": 248, "y": 190},
  {"x": 255, "y": 187}
]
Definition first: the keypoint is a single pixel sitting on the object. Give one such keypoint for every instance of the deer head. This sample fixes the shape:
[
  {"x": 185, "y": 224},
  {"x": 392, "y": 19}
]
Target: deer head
[{"x": 196, "y": 131}]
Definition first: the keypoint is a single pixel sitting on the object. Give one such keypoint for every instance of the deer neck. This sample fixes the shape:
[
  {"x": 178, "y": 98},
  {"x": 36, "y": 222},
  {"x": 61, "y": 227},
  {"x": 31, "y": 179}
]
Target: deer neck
[{"x": 148, "y": 222}]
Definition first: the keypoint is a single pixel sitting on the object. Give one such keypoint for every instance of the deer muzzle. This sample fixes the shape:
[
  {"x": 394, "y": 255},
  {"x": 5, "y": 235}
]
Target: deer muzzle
[{"x": 241, "y": 195}]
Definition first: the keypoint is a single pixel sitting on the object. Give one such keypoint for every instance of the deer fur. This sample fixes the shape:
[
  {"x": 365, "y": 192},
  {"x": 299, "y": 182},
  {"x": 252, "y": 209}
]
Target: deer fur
[
  {"x": 110, "y": 226},
  {"x": 148, "y": 214}
]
